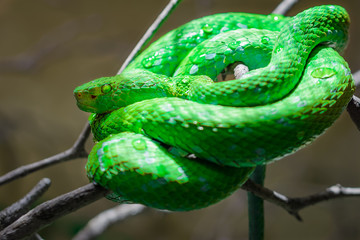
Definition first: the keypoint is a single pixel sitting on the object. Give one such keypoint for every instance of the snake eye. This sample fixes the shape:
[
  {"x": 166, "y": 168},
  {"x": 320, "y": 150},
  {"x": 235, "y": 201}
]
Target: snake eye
[{"x": 106, "y": 88}]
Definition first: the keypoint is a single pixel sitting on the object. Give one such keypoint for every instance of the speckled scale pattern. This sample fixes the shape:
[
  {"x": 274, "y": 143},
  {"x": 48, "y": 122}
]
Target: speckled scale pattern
[
  {"x": 235, "y": 132},
  {"x": 211, "y": 57},
  {"x": 295, "y": 42},
  {"x": 161, "y": 101},
  {"x": 164, "y": 58},
  {"x": 176, "y": 177}
]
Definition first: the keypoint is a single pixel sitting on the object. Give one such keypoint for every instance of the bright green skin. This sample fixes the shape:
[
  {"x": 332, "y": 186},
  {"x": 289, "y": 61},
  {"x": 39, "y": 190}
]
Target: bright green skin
[{"x": 164, "y": 97}]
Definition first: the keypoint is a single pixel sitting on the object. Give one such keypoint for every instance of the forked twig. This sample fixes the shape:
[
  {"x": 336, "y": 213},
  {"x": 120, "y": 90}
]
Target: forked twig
[
  {"x": 19, "y": 208},
  {"x": 47, "y": 212},
  {"x": 294, "y": 205}
]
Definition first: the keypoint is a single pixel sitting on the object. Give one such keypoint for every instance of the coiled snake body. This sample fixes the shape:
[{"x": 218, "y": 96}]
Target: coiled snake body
[{"x": 168, "y": 96}]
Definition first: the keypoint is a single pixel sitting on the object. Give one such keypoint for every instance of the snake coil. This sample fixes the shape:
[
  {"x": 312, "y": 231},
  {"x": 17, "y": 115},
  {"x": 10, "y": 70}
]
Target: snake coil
[{"x": 169, "y": 98}]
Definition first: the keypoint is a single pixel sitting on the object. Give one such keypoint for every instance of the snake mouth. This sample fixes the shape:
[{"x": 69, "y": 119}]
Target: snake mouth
[
  {"x": 85, "y": 107},
  {"x": 83, "y": 100}
]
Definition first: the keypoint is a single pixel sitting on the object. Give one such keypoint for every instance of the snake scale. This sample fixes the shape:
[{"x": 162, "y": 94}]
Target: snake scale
[{"x": 170, "y": 136}]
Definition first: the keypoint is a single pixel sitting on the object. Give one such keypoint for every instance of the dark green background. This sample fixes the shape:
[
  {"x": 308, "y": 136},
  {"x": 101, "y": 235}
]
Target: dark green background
[{"x": 48, "y": 47}]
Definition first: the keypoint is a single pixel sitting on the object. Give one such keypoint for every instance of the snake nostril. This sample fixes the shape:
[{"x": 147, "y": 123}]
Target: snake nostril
[
  {"x": 93, "y": 96},
  {"x": 78, "y": 95}
]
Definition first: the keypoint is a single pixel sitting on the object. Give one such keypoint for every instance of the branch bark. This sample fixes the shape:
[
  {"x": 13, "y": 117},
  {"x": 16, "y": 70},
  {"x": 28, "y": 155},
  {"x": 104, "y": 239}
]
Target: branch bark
[
  {"x": 356, "y": 77},
  {"x": 47, "y": 212},
  {"x": 16, "y": 210},
  {"x": 150, "y": 32},
  {"x": 353, "y": 109},
  {"x": 294, "y": 205},
  {"x": 284, "y": 7},
  {"x": 97, "y": 225}
]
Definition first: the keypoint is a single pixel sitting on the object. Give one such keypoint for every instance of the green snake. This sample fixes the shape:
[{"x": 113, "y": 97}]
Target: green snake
[{"x": 170, "y": 136}]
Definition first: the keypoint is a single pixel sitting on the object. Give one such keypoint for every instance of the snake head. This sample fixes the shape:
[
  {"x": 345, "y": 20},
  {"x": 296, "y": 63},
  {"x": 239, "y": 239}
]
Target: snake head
[
  {"x": 96, "y": 96},
  {"x": 106, "y": 94}
]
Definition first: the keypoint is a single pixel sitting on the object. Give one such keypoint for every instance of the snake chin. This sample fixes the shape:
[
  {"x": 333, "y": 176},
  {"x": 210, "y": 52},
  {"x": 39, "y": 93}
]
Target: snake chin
[{"x": 86, "y": 108}]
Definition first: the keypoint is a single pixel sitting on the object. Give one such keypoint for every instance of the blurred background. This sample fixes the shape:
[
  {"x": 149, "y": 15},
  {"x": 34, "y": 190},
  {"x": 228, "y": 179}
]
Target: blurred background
[{"x": 48, "y": 47}]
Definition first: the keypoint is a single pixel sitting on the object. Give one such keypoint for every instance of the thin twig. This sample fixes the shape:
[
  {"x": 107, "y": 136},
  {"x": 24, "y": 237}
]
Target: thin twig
[
  {"x": 47, "y": 212},
  {"x": 35, "y": 236},
  {"x": 16, "y": 210},
  {"x": 294, "y": 205},
  {"x": 356, "y": 77},
  {"x": 353, "y": 109},
  {"x": 76, "y": 151},
  {"x": 104, "y": 220},
  {"x": 150, "y": 32},
  {"x": 284, "y": 6}
]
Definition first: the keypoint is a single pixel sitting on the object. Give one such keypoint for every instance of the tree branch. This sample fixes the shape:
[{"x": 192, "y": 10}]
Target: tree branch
[
  {"x": 16, "y": 210},
  {"x": 356, "y": 77},
  {"x": 76, "y": 151},
  {"x": 294, "y": 205},
  {"x": 284, "y": 7},
  {"x": 353, "y": 109},
  {"x": 35, "y": 236},
  {"x": 97, "y": 225},
  {"x": 150, "y": 32},
  {"x": 47, "y": 212}
]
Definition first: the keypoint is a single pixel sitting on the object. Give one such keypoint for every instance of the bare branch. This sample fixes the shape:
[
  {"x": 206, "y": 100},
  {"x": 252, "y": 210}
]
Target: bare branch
[
  {"x": 80, "y": 142},
  {"x": 284, "y": 6},
  {"x": 353, "y": 109},
  {"x": 150, "y": 32},
  {"x": 104, "y": 220},
  {"x": 268, "y": 195},
  {"x": 356, "y": 77},
  {"x": 76, "y": 151},
  {"x": 35, "y": 236},
  {"x": 16, "y": 210},
  {"x": 47, "y": 212},
  {"x": 294, "y": 205}
]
